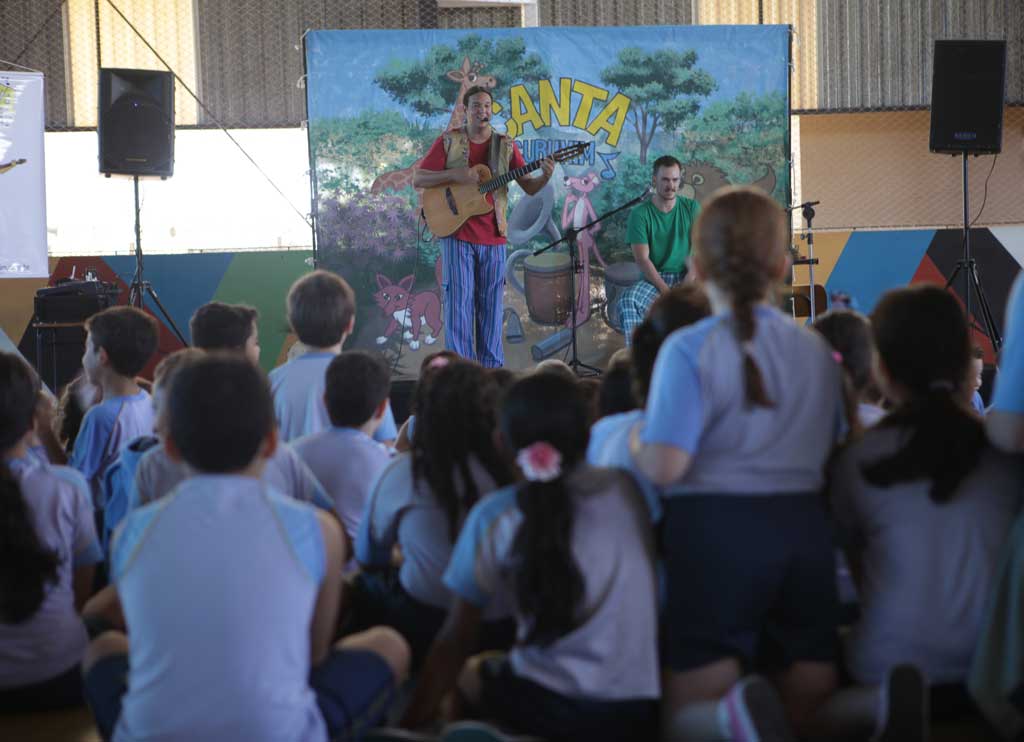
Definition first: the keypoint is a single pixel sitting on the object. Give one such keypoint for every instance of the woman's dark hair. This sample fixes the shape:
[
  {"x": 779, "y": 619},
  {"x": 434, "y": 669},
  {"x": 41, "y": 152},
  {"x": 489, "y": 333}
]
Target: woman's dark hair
[
  {"x": 26, "y": 565},
  {"x": 456, "y": 415},
  {"x": 923, "y": 341},
  {"x": 739, "y": 242},
  {"x": 71, "y": 409},
  {"x": 680, "y": 306},
  {"x": 548, "y": 582}
]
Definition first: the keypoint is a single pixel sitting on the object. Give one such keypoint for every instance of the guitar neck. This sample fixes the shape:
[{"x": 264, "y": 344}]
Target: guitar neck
[{"x": 502, "y": 180}]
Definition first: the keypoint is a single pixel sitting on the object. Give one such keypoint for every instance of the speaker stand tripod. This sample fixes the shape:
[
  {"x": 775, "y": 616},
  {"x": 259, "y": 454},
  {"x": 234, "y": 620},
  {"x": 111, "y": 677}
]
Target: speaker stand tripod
[
  {"x": 576, "y": 266},
  {"x": 139, "y": 285},
  {"x": 972, "y": 280}
]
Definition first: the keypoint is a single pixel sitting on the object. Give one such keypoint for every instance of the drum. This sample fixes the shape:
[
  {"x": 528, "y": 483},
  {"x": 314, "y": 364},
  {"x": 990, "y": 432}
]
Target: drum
[
  {"x": 546, "y": 285},
  {"x": 617, "y": 278}
]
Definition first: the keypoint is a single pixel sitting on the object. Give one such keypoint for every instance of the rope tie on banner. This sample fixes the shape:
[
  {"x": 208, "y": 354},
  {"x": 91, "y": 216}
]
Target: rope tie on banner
[{"x": 20, "y": 66}]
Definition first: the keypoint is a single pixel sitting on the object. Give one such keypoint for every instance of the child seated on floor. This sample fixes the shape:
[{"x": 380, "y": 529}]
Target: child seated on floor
[
  {"x": 230, "y": 329},
  {"x": 571, "y": 547},
  {"x": 680, "y": 306},
  {"x": 345, "y": 459},
  {"x": 972, "y": 388},
  {"x": 229, "y": 593},
  {"x": 118, "y": 345},
  {"x": 404, "y": 440},
  {"x": 321, "y": 312},
  {"x": 921, "y": 502},
  {"x": 853, "y": 347},
  {"x": 419, "y": 502},
  {"x": 48, "y": 551}
]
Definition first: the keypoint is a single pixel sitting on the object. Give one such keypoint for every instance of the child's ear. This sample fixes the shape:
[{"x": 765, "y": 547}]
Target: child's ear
[
  {"x": 269, "y": 444},
  {"x": 104, "y": 359},
  {"x": 381, "y": 409},
  {"x": 173, "y": 452}
]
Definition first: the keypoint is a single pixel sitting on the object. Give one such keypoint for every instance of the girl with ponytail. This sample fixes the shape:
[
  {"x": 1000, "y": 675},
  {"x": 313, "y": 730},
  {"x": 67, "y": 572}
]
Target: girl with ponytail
[
  {"x": 571, "y": 546},
  {"x": 921, "y": 500},
  {"x": 48, "y": 549},
  {"x": 742, "y": 413}
]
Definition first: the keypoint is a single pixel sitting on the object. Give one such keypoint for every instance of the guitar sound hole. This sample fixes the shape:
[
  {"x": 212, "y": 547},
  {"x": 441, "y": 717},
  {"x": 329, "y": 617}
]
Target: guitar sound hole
[{"x": 450, "y": 200}]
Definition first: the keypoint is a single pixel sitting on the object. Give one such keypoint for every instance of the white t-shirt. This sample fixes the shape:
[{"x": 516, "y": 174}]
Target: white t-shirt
[
  {"x": 53, "y": 640},
  {"x": 612, "y": 654},
  {"x": 927, "y": 568}
]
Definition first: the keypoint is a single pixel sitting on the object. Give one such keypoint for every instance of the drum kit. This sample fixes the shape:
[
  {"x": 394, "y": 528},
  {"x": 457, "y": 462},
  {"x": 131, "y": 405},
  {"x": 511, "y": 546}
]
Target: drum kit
[{"x": 548, "y": 279}]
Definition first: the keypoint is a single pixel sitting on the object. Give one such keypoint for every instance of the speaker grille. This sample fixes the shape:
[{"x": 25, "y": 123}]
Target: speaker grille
[
  {"x": 136, "y": 122},
  {"x": 968, "y": 88}
]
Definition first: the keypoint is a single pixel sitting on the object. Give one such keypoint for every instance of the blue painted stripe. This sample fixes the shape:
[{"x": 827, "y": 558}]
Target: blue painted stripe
[{"x": 874, "y": 262}]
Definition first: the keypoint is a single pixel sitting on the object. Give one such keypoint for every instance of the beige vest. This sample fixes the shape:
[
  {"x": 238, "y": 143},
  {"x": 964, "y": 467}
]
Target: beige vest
[{"x": 456, "y": 144}]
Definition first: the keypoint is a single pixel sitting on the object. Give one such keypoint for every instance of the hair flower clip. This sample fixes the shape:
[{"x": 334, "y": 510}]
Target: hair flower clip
[{"x": 540, "y": 462}]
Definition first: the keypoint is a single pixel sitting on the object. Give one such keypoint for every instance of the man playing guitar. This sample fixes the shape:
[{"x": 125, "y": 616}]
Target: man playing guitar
[{"x": 473, "y": 258}]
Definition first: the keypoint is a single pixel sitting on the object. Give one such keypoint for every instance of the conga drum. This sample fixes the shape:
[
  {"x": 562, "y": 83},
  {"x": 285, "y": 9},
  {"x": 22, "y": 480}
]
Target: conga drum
[
  {"x": 546, "y": 284},
  {"x": 617, "y": 278}
]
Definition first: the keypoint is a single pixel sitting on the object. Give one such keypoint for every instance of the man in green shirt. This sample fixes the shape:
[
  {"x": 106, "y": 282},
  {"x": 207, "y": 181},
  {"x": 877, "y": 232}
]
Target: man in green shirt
[{"x": 659, "y": 235}]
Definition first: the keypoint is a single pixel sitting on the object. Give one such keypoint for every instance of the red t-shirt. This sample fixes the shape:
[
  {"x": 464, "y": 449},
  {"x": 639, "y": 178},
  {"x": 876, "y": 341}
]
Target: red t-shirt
[{"x": 482, "y": 229}]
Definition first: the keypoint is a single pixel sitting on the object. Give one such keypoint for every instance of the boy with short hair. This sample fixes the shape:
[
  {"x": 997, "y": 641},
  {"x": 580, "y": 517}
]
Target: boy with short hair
[
  {"x": 228, "y": 328},
  {"x": 224, "y": 633},
  {"x": 119, "y": 343},
  {"x": 321, "y": 312},
  {"x": 345, "y": 458},
  {"x": 232, "y": 327}
]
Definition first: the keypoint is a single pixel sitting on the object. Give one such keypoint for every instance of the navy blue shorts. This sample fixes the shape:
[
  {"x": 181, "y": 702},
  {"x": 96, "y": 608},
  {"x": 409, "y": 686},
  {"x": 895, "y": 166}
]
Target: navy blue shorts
[
  {"x": 751, "y": 577},
  {"x": 530, "y": 708},
  {"x": 60, "y": 691},
  {"x": 353, "y": 687}
]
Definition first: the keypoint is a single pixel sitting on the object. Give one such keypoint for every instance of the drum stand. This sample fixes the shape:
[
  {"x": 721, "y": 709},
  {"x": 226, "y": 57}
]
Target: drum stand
[{"x": 576, "y": 266}]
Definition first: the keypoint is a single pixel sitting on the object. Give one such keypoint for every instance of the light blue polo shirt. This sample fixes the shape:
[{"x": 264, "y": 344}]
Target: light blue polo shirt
[
  {"x": 1009, "y": 391},
  {"x": 218, "y": 582},
  {"x": 298, "y": 388},
  {"x": 697, "y": 404},
  {"x": 609, "y": 446}
]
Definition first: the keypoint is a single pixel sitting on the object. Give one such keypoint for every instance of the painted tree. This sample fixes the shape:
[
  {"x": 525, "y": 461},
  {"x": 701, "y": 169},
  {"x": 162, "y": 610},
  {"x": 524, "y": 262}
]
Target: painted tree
[
  {"x": 424, "y": 85},
  {"x": 745, "y": 136},
  {"x": 665, "y": 88}
]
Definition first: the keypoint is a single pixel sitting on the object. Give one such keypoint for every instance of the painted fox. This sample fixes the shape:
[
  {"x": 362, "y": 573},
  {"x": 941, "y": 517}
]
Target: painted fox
[{"x": 409, "y": 310}]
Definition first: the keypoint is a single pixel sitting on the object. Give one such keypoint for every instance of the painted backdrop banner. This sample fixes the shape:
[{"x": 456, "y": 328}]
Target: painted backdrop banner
[
  {"x": 715, "y": 97},
  {"x": 22, "y": 184}
]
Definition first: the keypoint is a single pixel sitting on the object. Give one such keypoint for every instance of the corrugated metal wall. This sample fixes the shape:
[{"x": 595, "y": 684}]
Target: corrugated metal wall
[
  {"x": 32, "y": 35},
  {"x": 878, "y": 54},
  {"x": 615, "y": 12}
]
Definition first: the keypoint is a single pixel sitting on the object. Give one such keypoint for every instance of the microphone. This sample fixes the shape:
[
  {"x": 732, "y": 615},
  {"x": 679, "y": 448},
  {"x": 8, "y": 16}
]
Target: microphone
[{"x": 804, "y": 205}]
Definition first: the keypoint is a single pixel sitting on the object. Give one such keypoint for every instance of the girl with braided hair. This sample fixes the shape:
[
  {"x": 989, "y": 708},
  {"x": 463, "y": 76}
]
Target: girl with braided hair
[{"x": 743, "y": 411}]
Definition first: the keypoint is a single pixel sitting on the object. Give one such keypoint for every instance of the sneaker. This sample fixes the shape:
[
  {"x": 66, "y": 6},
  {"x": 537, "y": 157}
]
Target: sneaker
[
  {"x": 903, "y": 715},
  {"x": 754, "y": 712}
]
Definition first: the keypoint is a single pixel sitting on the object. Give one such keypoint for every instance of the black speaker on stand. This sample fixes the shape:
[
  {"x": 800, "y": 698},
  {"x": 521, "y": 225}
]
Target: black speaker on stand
[
  {"x": 968, "y": 90},
  {"x": 136, "y": 134}
]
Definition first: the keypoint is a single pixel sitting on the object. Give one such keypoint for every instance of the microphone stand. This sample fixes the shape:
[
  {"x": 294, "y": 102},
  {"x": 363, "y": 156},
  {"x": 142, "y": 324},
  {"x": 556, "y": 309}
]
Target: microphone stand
[
  {"x": 576, "y": 266},
  {"x": 807, "y": 209}
]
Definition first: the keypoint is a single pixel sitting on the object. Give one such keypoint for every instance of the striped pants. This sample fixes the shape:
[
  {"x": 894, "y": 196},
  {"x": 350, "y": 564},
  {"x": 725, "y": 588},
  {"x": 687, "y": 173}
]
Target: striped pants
[
  {"x": 637, "y": 299},
  {"x": 473, "y": 281}
]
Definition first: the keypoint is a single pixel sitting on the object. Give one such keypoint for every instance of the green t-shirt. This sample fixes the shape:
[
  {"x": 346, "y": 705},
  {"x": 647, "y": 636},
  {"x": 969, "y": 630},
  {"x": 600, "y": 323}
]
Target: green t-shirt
[{"x": 667, "y": 235}]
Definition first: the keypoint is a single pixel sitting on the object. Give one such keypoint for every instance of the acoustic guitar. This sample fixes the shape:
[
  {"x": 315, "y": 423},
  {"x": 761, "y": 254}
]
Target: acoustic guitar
[{"x": 447, "y": 207}]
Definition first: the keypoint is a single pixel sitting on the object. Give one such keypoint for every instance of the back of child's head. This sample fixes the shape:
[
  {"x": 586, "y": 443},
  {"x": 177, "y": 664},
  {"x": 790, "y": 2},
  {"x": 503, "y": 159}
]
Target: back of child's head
[
  {"x": 357, "y": 381},
  {"x": 321, "y": 307},
  {"x": 682, "y": 305},
  {"x": 853, "y": 347},
  {"x": 163, "y": 379},
  {"x": 555, "y": 366},
  {"x": 220, "y": 411},
  {"x": 544, "y": 425},
  {"x": 456, "y": 414},
  {"x": 616, "y": 392},
  {"x": 26, "y": 565},
  {"x": 924, "y": 346},
  {"x": 219, "y": 326},
  {"x": 740, "y": 245},
  {"x": 128, "y": 335}
]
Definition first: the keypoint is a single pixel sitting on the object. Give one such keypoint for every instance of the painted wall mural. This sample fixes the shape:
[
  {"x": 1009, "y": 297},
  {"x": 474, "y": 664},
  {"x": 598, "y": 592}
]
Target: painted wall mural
[{"x": 717, "y": 98}]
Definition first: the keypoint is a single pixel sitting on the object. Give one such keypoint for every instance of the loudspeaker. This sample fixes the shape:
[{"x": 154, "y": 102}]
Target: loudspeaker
[
  {"x": 136, "y": 122},
  {"x": 968, "y": 89}
]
